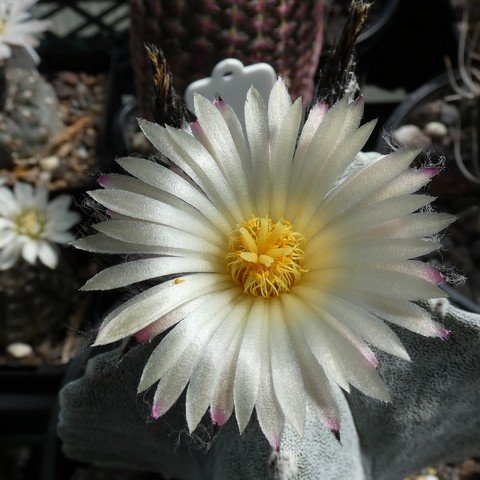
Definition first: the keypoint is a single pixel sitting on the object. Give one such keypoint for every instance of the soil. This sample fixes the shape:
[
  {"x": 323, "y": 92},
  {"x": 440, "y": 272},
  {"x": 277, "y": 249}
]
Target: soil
[
  {"x": 468, "y": 470},
  {"x": 44, "y": 309},
  {"x": 337, "y": 14},
  {"x": 456, "y": 194},
  {"x": 70, "y": 160}
]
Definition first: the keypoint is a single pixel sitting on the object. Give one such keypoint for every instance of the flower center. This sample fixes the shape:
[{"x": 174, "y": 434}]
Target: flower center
[
  {"x": 31, "y": 223},
  {"x": 265, "y": 257}
]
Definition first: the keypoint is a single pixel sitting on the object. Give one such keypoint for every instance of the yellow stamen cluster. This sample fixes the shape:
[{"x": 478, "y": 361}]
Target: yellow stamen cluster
[
  {"x": 265, "y": 257},
  {"x": 31, "y": 223}
]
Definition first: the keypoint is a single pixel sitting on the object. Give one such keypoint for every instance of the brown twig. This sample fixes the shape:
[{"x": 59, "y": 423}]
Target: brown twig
[
  {"x": 168, "y": 107},
  {"x": 337, "y": 74}
]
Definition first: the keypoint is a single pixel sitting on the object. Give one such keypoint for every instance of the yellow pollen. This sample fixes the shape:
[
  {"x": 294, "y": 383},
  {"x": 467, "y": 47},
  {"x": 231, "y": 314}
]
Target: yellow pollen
[
  {"x": 31, "y": 223},
  {"x": 265, "y": 258},
  {"x": 178, "y": 281},
  {"x": 3, "y": 27}
]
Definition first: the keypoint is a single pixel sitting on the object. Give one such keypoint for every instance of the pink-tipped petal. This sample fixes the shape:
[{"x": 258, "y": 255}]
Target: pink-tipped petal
[
  {"x": 435, "y": 276},
  {"x": 219, "y": 103},
  {"x": 111, "y": 213},
  {"x": 196, "y": 127},
  {"x": 277, "y": 443},
  {"x": 156, "y": 412},
  {"x": 372, "y": 359},
  {"x": 359, "y": 101},
  {"x": 103, "y": 180},
  {"x": 333, "y": 424},
  {"x": 444, "y": 333},
  {"x": 322, "y": 107},
  {"x": 145, "y": 334},
  {"x": 431, "y": 171},
  {"x": 218, "y": 417}
]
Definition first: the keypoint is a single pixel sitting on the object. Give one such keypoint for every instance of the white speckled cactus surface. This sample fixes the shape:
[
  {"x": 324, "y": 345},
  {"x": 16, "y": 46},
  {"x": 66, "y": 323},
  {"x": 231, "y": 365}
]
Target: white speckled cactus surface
[{"x": 433, "y": 417}]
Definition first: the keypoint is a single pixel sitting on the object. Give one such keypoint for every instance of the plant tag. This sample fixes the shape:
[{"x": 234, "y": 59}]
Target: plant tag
[{"x": 231, "y": 80}]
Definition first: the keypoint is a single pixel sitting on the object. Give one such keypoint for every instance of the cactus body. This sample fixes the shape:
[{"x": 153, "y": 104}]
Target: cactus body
[
  {"x": 30, "y": 114},
  {"x": 195, "y": 36}
]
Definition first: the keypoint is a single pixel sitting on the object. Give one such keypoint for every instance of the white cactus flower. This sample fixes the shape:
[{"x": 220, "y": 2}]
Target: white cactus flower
[
  {"x": 30, "y": 225},
  {"x": 282, "y": 279},
  {"x": 16, "y": 28}
]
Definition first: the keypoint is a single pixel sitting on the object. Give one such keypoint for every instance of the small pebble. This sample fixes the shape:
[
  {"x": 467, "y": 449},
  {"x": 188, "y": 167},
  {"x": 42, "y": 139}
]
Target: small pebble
[
  {"x": 71, "y": 78},
  {"x": 411, "y": 136},
  {"x": 45, "y": 177},
  {"x": 435, "y": 129},
  {"x": 82, "y": 153},
  {"x": 449, "y": 114},
  {"x": 19, "y": 350},
  {"x": 49, "y": 163}
]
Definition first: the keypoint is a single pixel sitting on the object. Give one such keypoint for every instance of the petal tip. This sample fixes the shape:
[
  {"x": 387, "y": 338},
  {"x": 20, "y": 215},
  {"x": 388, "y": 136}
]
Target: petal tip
[
  {"x": 156, "y": 411},
  {"x": 218, "y": 416},
  {"x": 431, "y": 171},
  {"x": 444, "y": 333},
  {"x": 103, "y": 180}
]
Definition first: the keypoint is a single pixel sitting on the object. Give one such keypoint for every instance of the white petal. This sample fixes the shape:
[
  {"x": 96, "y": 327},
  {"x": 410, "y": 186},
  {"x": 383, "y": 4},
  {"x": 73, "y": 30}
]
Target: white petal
[
  {"x": 382, "y": 212},
  {"x": 222, "y": 399},
  {"x": 207, "y": 374},
  {"x": 48, "y": 254},
  {"x": 269, "y": 413},
  {"x": 151, "y": 304},
  {"x": 10, "y": 254},
  {"x": 406, "y": 183},
  {"x": 23, "y": 194},
  {"x": 366, "y": 251},
  {"x": 164, "y": 179},
  {"x": 247, "y": 375},
  {"x": 41, "y": 196},
  {"x": 8, "y": 205},
  {"x": 223, "y": 149},
  {"x": 144, "y": 269},
  {"x": 316, "y": 183},
  {"x": 367, "y": 326},
  {"x": 317, "y": 385},
  {"x": 365, "y": 182},
  {"x": 6, "y": 237},
  {"x": 63, "y": 222},
  {"x": 403, "y": 314},
  {"x": 279, "y": 103},
  {"x": 30, "y": 251},
  {"x": 171, "y": 348},
  {"x": 144, "y": 208},
  {"x": 171, "y": 318},
  {"x": 59, "y": 205},
  {"x": 256, "y": 124},
  {"x": 282, "y": 158},
  {"x": 59, "y": 237},
  {"x": 236, "y": 131},
  {"x": 101, "y": 243},
  {"x": 136, "y": 231},
  {"x": 286, "y": 374},
  {"x": 175, "y": 380},
  {"x": 312, "y": 330},
  {"x": 186, "y": 152}
]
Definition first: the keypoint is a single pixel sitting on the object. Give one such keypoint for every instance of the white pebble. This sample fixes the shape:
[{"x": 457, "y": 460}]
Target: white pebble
[
  {"x": 435, "y": 129},
  {"x": 411, "y": 136},
  {"x": 49, "y": 163},
  {"x": 82, "y": 153},
  {"x": 19, "y": 350}
]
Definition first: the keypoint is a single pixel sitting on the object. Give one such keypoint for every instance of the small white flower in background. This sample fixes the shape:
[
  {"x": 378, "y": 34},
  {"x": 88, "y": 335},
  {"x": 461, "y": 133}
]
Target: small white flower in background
[
  {"x": 282, "y": 277},
  {"x": 30, "y": 225},
  {"x": 16, "y": 28}
]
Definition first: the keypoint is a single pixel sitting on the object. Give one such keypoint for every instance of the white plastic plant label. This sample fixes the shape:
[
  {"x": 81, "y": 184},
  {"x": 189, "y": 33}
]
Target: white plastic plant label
[{"x": 231, "y": 80}]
